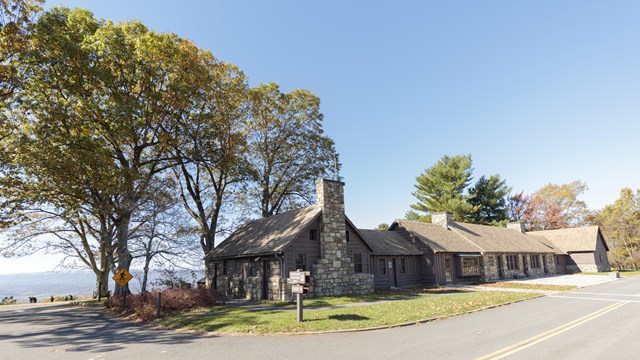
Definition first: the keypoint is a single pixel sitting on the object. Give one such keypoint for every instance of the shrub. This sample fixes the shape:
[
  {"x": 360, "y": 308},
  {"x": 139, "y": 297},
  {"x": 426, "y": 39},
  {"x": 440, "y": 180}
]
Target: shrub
[
  {"x": 143, "y": 306},
  {"x": 8, "y": 300}
]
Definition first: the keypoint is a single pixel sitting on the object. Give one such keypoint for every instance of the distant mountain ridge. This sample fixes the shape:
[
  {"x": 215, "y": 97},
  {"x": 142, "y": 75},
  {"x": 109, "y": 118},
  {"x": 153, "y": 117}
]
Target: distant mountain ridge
[{"x": 77, "y": 283}]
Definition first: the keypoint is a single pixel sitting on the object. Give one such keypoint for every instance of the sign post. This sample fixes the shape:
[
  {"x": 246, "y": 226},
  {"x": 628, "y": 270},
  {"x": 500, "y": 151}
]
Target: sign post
[
  {"x": 122, "y": 277},
  {"x": 299, "y": 279}
]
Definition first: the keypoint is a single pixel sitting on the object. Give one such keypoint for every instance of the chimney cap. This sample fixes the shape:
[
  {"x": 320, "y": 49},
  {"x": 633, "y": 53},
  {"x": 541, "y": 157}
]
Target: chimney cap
[{"x": 329, "y": 181}]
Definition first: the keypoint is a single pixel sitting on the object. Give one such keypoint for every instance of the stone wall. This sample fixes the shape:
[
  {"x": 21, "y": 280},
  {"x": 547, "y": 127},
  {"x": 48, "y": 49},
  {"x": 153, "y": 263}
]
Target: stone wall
[
  {"x": 582, "y": 268},
  {"x": 551, "y": 263},
  {"x": 490, "y": 268}
]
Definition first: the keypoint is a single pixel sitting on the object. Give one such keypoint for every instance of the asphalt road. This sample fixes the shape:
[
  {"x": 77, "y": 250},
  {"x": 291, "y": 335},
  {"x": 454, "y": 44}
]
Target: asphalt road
[{"x": 596, "y": 322}]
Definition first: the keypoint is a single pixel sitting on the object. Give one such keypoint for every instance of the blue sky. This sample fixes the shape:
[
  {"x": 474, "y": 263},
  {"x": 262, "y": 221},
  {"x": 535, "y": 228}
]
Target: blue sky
[{"x": 536, "y": 91}]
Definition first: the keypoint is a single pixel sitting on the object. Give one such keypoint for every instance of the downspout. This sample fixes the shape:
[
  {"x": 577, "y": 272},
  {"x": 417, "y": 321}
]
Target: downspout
[{"x": 281, "y": 293}]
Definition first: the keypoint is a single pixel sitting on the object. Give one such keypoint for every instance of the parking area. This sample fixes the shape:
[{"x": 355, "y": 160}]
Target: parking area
[{"x": 574, "y": 280}]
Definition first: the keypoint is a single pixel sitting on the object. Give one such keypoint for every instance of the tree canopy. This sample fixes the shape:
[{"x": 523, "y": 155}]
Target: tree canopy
[
  {"x": 100, "y": 121},
  {"x": 553, "y": 207},
  {"x": 441, "y": 187},
  {"x": 287, "y": 148},
  {"x": 620, "y": 226},
  {"x": 489, "y": 197}
]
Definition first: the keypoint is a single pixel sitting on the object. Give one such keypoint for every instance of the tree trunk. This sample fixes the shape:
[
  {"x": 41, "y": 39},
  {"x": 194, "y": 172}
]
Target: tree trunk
[
  {"x": 145, "y": 274},
  {"x": 124, "y": 256},
  {"x": 102, "y": 283}
]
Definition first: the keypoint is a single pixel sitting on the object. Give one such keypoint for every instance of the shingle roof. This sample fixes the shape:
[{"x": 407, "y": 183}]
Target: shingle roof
[
  {"x": 388, "y": 243},
  {"x": 437, "y": 237},
  {"x": 572, "y": 239},
  {"x": 548, "y": 243},
  {"x": 266, "y": 236},
  {"x": 498, "y": 239},
  {"x": 472, "y": 238}
]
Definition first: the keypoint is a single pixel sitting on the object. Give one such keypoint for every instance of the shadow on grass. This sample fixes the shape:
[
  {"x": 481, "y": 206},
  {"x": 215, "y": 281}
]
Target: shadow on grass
[{"x": 347, "y": 317}]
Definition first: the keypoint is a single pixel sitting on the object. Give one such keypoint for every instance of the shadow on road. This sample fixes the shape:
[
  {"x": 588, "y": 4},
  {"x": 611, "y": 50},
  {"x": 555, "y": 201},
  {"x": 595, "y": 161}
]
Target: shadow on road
[{"x": 77, "y": 328}]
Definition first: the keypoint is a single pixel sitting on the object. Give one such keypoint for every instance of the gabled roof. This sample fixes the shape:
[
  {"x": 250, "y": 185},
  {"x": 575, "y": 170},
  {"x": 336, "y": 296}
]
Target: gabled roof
[
  {"x": 472, "y": 238},
  {"x": 573, "y": 239},
  {"x": 388, "y": 243},
  {"x": 499, "y": 239},
  {"x": 266, "y": 236},
  {"x": 437, "y": 237}
]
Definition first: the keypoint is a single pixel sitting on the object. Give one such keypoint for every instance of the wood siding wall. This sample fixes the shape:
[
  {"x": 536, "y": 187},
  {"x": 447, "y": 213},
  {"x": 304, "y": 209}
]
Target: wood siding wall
[
  {"x": 427, "y": 264},
  {"x": 357, "y": 245},
  {"x": 303, "y": 245},
  {"x": 311, "y": 248},
  {"x": 393, "y": 275},
  {"x": 601, "y": 258}
]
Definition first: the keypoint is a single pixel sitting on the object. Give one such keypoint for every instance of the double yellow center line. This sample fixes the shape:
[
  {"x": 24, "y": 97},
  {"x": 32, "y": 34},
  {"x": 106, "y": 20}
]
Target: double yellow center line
[{"x": 509, "y": 350}]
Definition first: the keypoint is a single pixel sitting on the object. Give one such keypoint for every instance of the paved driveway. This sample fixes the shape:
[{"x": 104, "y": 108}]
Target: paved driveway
[
  {"x": 575, "y": 280},
  {"x": 601, "y": 322}
]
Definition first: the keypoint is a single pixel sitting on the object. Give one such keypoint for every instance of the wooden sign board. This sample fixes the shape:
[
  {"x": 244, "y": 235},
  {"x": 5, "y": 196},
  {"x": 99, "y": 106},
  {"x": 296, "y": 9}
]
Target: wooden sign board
[
  {"x": 299, "y": 277},
  {"x": 297, "y": 289}
]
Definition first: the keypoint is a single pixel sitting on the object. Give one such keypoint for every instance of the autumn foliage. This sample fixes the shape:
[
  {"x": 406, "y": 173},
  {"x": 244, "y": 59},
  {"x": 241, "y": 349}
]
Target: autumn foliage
[{"x": 143, "y": 306}]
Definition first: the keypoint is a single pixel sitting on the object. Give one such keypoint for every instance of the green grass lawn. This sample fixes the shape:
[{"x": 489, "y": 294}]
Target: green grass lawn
[
  {"x": 380, "y": 295},
  {"x": 629, "y": 272},
  {"x": 515, "y": 285},
  {"x": 233, "y": 319}
]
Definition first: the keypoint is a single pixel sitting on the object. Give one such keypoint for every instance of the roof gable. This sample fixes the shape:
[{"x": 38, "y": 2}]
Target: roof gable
[{"x": 268, "y": 235}]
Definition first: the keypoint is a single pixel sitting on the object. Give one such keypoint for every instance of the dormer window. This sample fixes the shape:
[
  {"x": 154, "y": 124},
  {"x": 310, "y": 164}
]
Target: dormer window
[{"x": 313, "y": 234}]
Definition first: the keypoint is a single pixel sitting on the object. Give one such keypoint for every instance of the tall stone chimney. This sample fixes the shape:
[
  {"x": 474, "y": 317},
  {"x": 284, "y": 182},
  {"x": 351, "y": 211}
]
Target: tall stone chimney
[
  {"x": 443, "y": 219},
  {"x": 334, "y": 274},
  {"x": 518, "y": 226},
  {"x": 333, "y": 238}
]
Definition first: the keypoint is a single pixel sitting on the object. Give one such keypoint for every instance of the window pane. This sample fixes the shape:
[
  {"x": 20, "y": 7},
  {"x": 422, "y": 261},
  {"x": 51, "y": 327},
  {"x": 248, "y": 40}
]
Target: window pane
[
  {"x": 301, "y": 262},
  {"x": 357, "y": 262}
]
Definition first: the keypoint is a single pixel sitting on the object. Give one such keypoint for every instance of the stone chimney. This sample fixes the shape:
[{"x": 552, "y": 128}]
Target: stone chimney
[
  {"x": 443, "y": 219},
  {"x": 333, "y": 238},
  {"x": 334, "y": 274},
  {"x": 518, "y": 226}
]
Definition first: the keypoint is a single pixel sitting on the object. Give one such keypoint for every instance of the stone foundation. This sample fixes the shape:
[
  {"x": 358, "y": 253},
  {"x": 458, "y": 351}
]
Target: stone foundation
[{"x": 336, "y": 278}]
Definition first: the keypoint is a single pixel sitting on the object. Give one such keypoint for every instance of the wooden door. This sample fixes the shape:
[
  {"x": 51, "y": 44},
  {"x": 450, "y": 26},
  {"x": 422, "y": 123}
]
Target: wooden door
[
  {"x": 395, "y": 273},
  {"x": 265, "y": 279},
  {"x": 448, "y": 270}
]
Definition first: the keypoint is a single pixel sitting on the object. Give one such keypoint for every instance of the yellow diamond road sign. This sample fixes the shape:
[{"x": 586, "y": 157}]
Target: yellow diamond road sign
[{"x": 122, "y": 277}]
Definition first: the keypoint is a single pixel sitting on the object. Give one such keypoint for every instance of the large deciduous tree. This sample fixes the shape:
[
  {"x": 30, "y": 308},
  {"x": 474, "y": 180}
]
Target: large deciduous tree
[
  {"x": 620, "y": 225},
  {"x": 95, "y": 105},
  {"x": 287, "y": 148},
  {"x": 555, "y": 206},
  {"x": 209, "y": 146},
  {"x": 15, "y": 18},
  {"x": 489, "y": 197},
  {"x": 441, "y": 187}
]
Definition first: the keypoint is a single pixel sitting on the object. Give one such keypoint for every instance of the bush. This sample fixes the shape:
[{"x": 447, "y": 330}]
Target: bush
[
  {"x": 143, "y": 306},
  {"x": 8, "y": 301}
]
